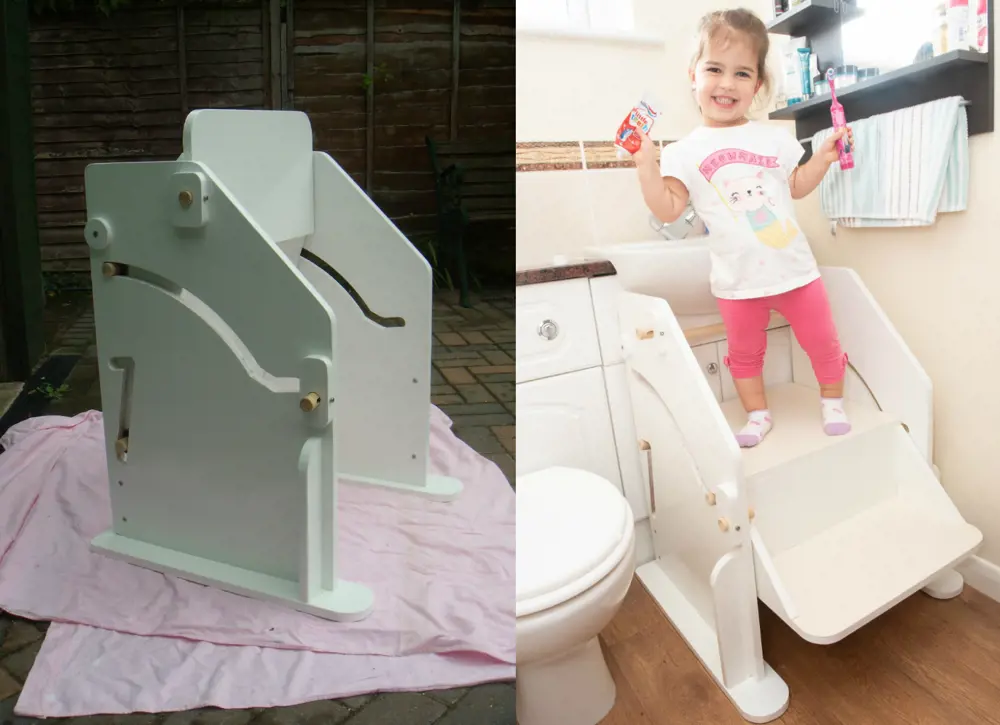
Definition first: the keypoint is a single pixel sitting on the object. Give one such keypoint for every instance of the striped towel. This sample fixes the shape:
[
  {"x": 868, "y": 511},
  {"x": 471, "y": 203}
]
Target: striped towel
[{"x": 908, "y": 166}]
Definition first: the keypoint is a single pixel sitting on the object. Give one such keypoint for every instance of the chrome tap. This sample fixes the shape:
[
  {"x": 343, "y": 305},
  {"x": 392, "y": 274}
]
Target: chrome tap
[{"x": 683, "y": 227}]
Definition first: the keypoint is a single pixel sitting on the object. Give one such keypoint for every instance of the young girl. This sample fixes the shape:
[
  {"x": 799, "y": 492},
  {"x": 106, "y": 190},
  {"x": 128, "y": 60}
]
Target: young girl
[{"x": 741, "y": 177}]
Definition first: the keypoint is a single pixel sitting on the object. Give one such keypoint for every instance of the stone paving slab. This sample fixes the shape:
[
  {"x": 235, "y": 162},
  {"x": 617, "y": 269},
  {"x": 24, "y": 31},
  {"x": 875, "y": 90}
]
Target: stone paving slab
[{"x": 472, "y": 383}]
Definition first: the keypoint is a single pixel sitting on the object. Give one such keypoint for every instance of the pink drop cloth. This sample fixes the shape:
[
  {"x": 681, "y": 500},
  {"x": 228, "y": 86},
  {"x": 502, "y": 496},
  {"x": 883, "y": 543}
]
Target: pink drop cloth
[{"x": 443, "y": 576}]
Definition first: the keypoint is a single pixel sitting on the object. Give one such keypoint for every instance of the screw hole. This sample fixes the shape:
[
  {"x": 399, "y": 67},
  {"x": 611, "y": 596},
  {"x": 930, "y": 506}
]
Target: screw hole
[
  {"x": 205, "y": 198},
  {"x": 120, "y": 483},
  {"x": 737, "y": 528},
  {"x": 95, "y": 234},
  {"x": 414, "y": 456},
  {"x": 414, "y": 380},
  {"x": 124, "y": 519}
]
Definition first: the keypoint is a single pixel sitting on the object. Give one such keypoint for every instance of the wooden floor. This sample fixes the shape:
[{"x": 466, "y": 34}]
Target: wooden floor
[{"x": 925, "y": 662}]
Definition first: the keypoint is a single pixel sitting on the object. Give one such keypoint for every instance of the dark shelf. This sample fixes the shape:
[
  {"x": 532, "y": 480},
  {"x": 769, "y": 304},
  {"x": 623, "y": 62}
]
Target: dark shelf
[
  {"x": 812, "y": 16},
  {"x": 960, "y": 72}
]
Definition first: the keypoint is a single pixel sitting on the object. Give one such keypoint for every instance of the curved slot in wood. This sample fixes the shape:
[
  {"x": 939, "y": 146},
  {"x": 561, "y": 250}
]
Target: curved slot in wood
[
  {"x": 355, "y": 295},
  {"x": 210, "y": 317}
]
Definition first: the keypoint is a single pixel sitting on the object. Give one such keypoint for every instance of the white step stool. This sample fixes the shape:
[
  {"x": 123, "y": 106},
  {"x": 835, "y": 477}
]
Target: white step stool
[
  {"x": 829, "y": 532},
  {"x": 262, "y": 329}
]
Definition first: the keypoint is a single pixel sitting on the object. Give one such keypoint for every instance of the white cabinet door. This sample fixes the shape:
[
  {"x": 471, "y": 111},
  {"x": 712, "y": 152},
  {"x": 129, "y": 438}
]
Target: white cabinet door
[
  {"x": 777, "y": 362},
  {"x": 555, "y": 329},
  {"x": 606, "y": 293},
  {"x": 565, "y": 421},
  {"x": 710, "y": 361}
]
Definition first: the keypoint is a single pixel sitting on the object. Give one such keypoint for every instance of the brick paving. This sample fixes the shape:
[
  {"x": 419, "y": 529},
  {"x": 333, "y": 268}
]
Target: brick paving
[{"x": 473, "y": 383}]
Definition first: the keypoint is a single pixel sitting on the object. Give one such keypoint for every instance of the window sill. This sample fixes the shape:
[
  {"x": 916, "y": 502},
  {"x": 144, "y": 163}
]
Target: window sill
[{"x": 592, "y": 36}]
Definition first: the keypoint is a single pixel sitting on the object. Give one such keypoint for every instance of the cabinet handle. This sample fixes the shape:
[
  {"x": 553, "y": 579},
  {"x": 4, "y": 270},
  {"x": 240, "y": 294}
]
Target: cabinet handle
[
  {"x": 712, "y": 368},
  {"x": 644, "y": 446},
  {"x": 548, "y": 329}
]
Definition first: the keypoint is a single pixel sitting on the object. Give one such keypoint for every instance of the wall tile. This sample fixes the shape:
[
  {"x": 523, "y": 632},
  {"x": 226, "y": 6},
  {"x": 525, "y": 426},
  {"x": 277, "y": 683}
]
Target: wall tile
[{"x": 553, "y": 216}]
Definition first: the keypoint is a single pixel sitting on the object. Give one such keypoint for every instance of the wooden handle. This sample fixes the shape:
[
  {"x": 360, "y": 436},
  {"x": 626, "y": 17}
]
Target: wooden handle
[
  {"x": 186, "y": 198},
  {"x": 697, "y": 333},
  {"x": 704, "y": 332},
  {"x": 121, "y": 448},
  {"x": 310, "y": 402},
  {"x": 644, "y": 446}
]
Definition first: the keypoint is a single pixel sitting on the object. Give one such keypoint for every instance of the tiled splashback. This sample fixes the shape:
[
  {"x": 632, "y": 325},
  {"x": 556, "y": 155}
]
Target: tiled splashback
[
  {"x": 589, "y": 198},
  {"x": 567, "y": 155}
]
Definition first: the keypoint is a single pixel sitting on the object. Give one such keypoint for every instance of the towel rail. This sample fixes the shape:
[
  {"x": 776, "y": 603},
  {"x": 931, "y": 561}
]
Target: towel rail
[{"x": 809, "y": 140}]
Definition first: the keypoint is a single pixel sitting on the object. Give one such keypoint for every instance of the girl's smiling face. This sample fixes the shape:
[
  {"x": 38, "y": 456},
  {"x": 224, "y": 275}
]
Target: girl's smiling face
[{"x": 726, "y": 81}]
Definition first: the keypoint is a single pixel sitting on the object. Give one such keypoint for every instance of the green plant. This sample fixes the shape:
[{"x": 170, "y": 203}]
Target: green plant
[
  {"x": 368, "y": 81},
  {"x": 50, "y": 392},
  {"x": 440, "y": 276}
]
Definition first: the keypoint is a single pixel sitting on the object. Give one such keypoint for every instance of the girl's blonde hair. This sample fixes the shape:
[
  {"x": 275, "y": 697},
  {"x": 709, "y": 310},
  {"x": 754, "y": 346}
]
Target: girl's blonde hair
[{"x": 722, "y": 25}]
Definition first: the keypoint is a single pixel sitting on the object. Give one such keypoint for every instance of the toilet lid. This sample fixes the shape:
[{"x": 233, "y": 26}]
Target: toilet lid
[{"x": 573, "y": 528}]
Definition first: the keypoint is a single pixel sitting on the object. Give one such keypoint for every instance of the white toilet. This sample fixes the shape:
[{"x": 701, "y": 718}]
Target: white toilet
[{"x": 575, "y": 561}]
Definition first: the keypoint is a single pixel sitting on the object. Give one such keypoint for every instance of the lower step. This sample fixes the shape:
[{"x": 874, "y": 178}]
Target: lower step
[{"x": 845, "y": 576}]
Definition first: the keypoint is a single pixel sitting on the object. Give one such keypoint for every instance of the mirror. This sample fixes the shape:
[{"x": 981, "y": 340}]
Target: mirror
[{"x": 889, "y": 34}]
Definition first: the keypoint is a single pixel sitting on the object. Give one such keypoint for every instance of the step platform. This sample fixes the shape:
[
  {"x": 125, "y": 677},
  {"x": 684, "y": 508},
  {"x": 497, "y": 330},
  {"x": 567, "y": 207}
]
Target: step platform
[{"x": 845, "y": 527}]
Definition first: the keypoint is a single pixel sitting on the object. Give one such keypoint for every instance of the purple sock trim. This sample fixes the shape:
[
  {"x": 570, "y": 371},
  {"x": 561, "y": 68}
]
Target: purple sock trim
[{"x": 838, "y": 428}]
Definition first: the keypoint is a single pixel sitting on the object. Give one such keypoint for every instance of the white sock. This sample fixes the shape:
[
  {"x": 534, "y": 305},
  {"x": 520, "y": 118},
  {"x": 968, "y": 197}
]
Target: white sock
[
  {"x": 758, "y": 425},
  {"x": 835, "y": 422}
]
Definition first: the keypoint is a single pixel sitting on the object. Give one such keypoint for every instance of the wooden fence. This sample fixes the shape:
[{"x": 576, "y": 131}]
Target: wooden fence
[{"x": 374, "y": 76}]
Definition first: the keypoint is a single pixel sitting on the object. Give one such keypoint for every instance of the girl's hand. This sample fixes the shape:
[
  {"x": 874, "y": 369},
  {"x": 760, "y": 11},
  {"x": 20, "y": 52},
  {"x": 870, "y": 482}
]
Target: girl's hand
[
  {"x": 828, "y": 152},
  {"x": 646, "y": 155}
]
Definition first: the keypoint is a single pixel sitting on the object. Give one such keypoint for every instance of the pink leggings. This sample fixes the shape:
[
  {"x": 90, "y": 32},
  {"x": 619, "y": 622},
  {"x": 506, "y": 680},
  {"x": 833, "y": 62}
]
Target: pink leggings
[{"x": 807, "y": 310}]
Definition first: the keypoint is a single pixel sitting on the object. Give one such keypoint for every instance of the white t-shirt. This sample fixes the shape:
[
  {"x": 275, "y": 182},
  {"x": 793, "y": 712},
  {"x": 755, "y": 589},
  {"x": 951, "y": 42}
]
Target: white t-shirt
[{"x": 738, "y": 181}]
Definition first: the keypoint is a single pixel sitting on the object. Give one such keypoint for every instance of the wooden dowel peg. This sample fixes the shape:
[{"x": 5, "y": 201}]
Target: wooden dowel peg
[
  {"x": 751, "y": 513},
  {"x": 710, "y": 498},
  {"x": 723, "y": 525},
  {"x": 110, "y": 269},
  {"x": 644, "y": 334},
  {"x": 121, "y": 449},
  {"x": 310, "y": 402},
  {"x": 186, "y": 198}
]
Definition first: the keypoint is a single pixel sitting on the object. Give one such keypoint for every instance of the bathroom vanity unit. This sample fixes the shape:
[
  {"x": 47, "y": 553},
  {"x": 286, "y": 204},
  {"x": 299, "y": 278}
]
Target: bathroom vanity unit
[
  {"x": 620, "y": 372},
  {"x": 573, "y": 405}
]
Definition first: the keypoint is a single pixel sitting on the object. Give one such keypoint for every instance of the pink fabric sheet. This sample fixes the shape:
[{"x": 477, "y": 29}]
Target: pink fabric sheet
[
  {"x": 86, "y": 671},
  {"x": 443, "y": 574}
]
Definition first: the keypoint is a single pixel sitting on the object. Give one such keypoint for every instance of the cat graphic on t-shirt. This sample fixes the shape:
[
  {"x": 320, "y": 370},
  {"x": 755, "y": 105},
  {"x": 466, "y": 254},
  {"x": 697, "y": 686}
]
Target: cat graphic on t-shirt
[{"x": 748, "y": 195}]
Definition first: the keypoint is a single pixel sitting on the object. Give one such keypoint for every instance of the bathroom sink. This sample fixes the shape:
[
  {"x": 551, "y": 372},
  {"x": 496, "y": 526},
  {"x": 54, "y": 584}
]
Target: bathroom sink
[{"x": 677, "y": 271}]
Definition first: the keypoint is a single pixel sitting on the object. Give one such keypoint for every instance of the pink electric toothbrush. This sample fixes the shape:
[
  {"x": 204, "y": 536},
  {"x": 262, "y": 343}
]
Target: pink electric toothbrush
[{"x": 839, "y": 122}]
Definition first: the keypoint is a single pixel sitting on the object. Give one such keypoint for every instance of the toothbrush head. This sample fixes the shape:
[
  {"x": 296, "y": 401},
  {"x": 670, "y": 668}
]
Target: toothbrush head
[{"x": 830, "y": 75}]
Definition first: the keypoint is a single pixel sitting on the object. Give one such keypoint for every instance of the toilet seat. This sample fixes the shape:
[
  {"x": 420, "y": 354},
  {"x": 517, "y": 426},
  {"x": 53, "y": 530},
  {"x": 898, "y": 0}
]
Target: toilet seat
[{"x": 573, "y": 528}]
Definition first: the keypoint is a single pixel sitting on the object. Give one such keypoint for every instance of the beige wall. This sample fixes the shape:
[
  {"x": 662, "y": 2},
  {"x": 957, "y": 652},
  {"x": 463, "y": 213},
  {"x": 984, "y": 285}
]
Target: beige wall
[
  {"x": 580, "y": 90},
  {"x": 577, "y": 89}
]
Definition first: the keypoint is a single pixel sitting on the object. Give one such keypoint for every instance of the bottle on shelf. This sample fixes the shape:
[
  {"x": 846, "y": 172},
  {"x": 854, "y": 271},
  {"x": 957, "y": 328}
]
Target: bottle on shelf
[
  {"x": 958, "y": 25},
  {"x": 940, "y": 39},
  {"x": 983, "y": 27}
]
